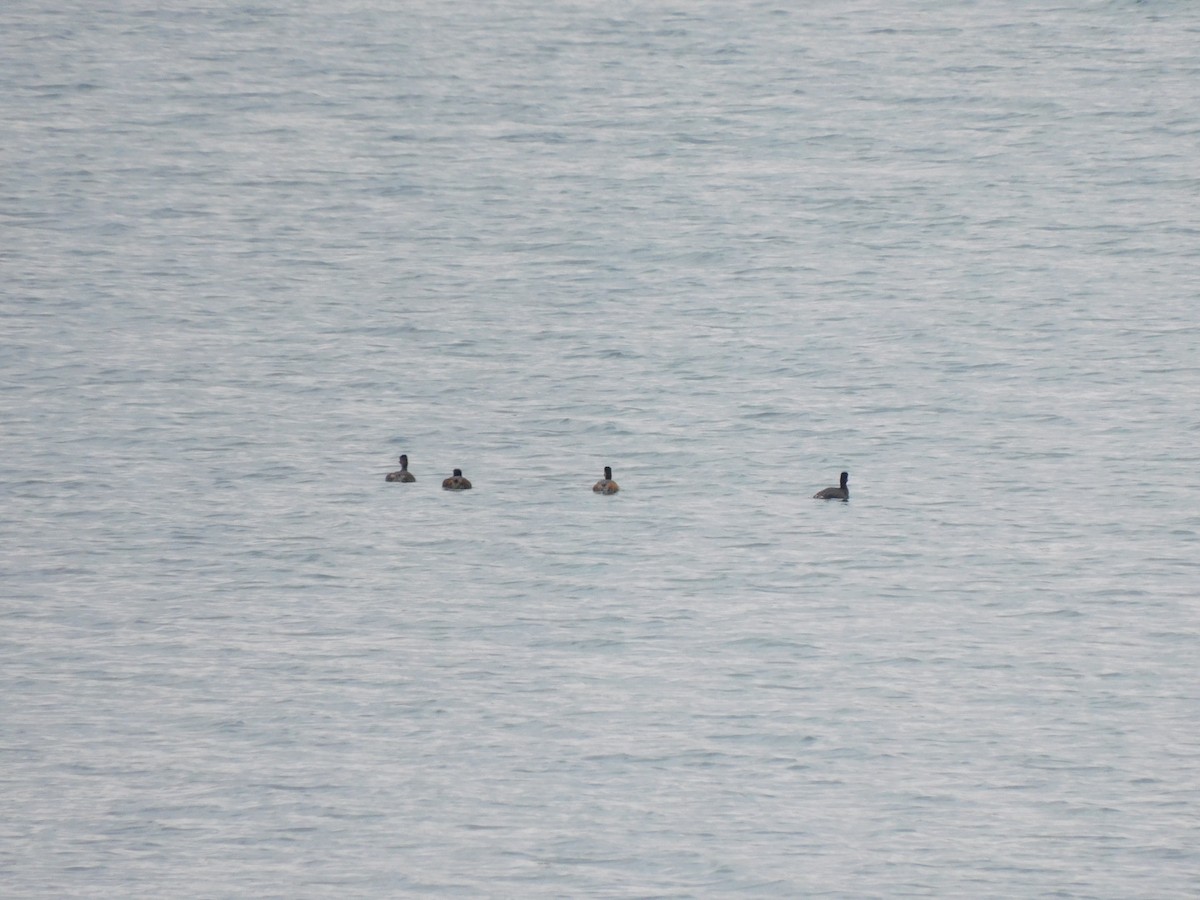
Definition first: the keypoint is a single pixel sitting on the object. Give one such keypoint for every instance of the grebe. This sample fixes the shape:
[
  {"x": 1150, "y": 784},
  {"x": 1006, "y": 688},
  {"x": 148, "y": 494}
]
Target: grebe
[
  {"x": 456, "y": 482},
  {"x": 606, "y": 485},
  {"x": 835, "y": 493},
  {"x": 402, "y": 475}
]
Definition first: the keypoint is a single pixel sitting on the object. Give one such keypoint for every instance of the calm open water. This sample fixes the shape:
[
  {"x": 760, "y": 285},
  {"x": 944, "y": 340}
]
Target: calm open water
[{"x": 250, "y": 254}]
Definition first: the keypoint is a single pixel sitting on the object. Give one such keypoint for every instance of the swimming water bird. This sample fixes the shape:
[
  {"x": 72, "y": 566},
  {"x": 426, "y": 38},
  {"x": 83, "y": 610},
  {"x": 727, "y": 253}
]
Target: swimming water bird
[
  {"x": 835, "y": 493},
  {"x": 456, "y": 482},
  {"x": 606, "y": 485},
  {"x": 403, "y": 474}
]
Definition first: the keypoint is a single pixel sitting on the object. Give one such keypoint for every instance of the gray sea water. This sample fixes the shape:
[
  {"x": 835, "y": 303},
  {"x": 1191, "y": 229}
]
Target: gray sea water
[{"x": 249, "y": 254}]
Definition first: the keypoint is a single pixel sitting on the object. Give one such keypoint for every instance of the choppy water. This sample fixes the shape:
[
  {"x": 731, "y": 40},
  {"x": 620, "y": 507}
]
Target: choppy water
[{"x": 250, "y": 254}]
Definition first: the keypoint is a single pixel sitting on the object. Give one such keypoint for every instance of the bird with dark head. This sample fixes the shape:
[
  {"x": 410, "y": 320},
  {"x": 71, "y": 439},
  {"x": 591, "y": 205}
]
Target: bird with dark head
[
  {"x": 456, "y": 482},
  {"x": 835, "y": 493},
  {"x": 402, "y": 474},
  {"x": 606, "y": 485}
]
